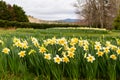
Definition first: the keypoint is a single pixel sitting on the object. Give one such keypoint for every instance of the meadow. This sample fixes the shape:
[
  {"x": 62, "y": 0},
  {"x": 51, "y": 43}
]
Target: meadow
[{"x": 59, "y": 54}]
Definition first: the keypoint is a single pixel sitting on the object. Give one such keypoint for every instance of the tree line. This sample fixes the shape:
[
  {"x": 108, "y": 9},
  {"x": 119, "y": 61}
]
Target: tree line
[
  {"x": 12, "y": 13},
  {"x": 99, "y": 13}
]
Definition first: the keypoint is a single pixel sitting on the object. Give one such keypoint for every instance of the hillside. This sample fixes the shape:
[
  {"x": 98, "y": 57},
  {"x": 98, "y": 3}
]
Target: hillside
[
  {"x": 35, "y": 20},
  {"x": 64, "y": 21}
]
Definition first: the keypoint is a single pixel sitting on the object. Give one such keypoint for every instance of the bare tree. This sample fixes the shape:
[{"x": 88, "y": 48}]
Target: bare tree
[{"x": 98, "y": 13}]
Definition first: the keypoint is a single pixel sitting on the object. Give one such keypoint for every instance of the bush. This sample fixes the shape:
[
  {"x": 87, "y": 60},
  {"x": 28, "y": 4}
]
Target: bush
[{"x": 15, "y": 24}]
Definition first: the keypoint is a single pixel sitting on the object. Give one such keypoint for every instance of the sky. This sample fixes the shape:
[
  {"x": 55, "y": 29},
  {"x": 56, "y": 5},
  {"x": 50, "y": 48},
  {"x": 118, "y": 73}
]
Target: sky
[{"x": 47, "y": 9}]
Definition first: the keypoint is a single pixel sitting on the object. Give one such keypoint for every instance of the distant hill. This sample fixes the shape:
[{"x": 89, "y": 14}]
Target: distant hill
[
  {"x": 65, "y": 21},
  {"x": 69, "y": 20},
  {"x": 35, "y": 20}
]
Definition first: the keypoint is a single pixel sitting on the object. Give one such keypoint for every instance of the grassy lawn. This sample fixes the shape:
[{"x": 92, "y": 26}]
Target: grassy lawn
[{"x": 65, "y": 32}]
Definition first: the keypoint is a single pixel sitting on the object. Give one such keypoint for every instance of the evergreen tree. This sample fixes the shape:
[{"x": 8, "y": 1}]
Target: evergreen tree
[
  {"x": 19, "y": 14},
  {"x": 12, "y": 13},
  {"x": 4, "y": 13}
]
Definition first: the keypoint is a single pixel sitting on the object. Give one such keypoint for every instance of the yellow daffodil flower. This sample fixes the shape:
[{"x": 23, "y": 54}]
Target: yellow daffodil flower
[
  {"x": 62, "y": 41},
  {"x": 70, "y": 54},
  {"x": 90, "y": 58},
  {"x": 118, "y": 51},
  {"x": 74, "y": 41},
  {"x": 22, "y": 53},
  {"x": 65, "y": 59},
  {"x": 113, "y": 56},
  {"x": 42, "y": 50},
  {"x": 57, "y": 59},
  {"x": 99, "y": 53},
  {"x": 47, "y": 56},
  {"x": 6, "y": 50}
]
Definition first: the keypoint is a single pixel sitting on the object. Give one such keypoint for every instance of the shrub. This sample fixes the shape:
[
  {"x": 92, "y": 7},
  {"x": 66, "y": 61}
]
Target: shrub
[{"x": 15, "y": 24}]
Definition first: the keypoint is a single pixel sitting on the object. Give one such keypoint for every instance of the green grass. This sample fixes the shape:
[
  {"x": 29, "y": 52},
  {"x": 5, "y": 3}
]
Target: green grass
[
  {"x": 34, "y": 67},
  {"x": 61, "y": 32}
]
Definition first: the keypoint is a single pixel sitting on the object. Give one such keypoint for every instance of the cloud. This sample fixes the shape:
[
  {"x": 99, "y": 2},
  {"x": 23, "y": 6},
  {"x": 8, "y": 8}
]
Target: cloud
[{"x": 47, "y": 9}]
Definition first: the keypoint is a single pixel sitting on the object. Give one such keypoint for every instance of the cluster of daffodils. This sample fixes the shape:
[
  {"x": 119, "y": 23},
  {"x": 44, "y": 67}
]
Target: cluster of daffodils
[
  {"x": 62, "y": 50},
  {"x": 35, "y": 41},
  {"x": 67, "y": 51},
  {"x": 20, "y": 43},
  {"x": 106, "y": 49}
]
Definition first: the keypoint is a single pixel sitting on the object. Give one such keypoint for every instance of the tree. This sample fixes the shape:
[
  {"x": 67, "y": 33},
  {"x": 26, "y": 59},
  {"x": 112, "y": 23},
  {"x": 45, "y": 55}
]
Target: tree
[
  {"x": 12, "y": 13},
  {"x": 19, "y": 14},
  {"x": 99, "y": 13},
  {"x": 4, "y": 13}
]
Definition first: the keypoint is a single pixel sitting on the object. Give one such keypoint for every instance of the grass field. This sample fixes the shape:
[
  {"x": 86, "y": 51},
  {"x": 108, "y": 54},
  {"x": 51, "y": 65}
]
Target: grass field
[
  {"x": 59, "y": 54},
  {"x": 61, "y": 32}
]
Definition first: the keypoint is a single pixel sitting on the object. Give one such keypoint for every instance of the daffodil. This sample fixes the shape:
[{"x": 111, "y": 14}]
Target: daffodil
[
  {"x": 17, "y": 44},
  {"x": 98, "y": 47},
  {"x": 66, "y": 47},
  {"x": 118, "y": 41},
  {"x": 42, "y": 49},
  {"x": 113, "y": 47},
  {"x": 25, "y": 44},
  {"x": 106, "y": 49},
  {"x": 85, "y": 47},
  {"x": 35, "y": 42},
  {"x": 6, "y": 50},
  {"x": 47, "y": 56},
  {"x": 85, "y": 55},
  {"x": 81, "y": 43},
  {"x": 99, "y": 53},
  {"x": 108, "y": 44},
  {"x": 63, "y": 53},
  {"x": 71, "y": 54},
  {"x": 50, "y": 41},
  {"x": 65, "y": 59},
  {"x": 22, "y": 53},
  {"x": 62, "y": 41},
  {"x": 97, "y": 43},
  {"x": 72, "y": 49},
  {"x": 32, "y": 51},
  {"x": 53, "y": 40},
  {"x": 16, "y": 40},
  {"x": 57, "y": 59},
  {"x": 34, "y": 39},
  {"x": 85, "y": 42},
  {"x": 74, "y": 41},
  {"x": 113, "y": 56},
  {"x": 20, "y": 44},
  {"x": 1, "y": 42},
  {"x": 118, "y": 51},
  {"x": 90, "y": 58}
]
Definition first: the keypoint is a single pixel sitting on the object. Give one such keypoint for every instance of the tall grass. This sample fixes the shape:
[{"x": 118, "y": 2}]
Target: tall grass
[
  {"x": 34, "y": 65},
  {"x": 73, "y": 63}
]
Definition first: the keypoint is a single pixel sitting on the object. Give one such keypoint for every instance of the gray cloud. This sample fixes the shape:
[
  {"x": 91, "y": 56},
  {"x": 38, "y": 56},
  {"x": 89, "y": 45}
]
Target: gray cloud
[{"x": 47, "y": 9}]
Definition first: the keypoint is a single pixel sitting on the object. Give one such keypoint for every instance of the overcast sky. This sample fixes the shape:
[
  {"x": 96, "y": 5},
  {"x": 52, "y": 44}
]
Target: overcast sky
[{"x": 47, "y": 9}]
